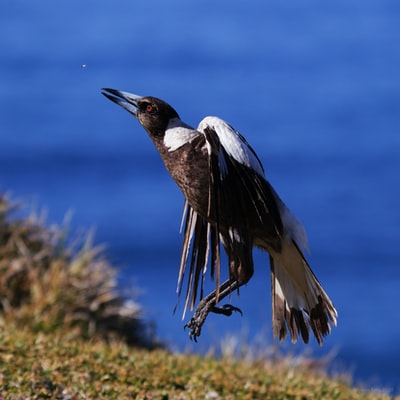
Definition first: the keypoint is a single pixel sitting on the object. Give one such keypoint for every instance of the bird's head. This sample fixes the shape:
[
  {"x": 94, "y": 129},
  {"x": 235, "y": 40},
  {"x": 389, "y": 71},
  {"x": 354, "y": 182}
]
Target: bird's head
[{"x": 154, "y": 114}]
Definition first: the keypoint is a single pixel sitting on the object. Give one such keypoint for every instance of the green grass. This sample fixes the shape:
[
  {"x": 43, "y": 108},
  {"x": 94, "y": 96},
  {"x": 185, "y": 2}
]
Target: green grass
[{"x": 56, "y": 366}]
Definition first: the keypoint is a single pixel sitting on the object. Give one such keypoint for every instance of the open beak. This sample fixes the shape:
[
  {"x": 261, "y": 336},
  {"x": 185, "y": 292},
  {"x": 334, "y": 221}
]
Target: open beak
[{"x": 126, "y": 100}]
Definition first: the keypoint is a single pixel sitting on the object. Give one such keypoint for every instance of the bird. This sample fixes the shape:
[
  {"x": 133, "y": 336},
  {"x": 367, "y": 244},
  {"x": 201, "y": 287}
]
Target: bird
[{"x": 228, "y": 201}]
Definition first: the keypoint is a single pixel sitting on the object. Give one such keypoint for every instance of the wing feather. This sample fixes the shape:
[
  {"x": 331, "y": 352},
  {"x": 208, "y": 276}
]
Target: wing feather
[{"x": 240, "y": 173}]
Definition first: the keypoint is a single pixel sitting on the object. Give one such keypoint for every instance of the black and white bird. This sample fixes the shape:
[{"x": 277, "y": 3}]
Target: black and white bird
[{"x": 228, "y": 200}]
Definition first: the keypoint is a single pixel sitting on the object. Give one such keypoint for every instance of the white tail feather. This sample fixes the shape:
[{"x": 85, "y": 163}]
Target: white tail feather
[{"x": 298, "y": 299}]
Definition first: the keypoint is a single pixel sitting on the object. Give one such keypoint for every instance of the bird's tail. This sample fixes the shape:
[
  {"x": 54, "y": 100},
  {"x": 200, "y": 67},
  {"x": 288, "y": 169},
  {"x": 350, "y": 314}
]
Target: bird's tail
[{"x": 298, "y": 299}]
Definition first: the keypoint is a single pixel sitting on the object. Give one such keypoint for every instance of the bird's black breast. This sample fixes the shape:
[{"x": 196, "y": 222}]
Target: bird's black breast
[{"x": 189, "y": 167}]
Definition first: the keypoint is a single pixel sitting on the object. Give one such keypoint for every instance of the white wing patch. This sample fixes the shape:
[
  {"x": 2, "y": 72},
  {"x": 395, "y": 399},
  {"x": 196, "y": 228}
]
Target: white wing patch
[
  {"x": 178, "y": 134},
  {"x": 233, "y": 142}
]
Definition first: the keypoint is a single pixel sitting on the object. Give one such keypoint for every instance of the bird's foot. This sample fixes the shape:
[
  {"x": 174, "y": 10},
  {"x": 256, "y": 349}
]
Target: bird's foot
[
  {"x": 198, "y": 319},
  {"x": 195, "y": 328},
  {"x": 196, "y": 322},
  {"x": 226, "y": 309}
]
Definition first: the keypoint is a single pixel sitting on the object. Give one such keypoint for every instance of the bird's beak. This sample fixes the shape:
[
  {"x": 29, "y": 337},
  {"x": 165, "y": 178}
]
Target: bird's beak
[{"x": 126, "y": 100}]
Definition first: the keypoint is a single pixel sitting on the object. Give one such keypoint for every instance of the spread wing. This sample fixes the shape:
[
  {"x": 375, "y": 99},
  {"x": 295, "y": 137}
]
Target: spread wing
[{"x": 239, "y": 199}]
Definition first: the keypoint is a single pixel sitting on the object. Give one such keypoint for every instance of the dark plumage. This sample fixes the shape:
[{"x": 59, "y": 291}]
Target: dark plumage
[{"x": 229, "y": 201}]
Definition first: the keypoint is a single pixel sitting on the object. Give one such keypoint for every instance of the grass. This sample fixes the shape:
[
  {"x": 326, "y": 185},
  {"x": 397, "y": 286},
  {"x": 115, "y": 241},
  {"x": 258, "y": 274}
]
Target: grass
[
  {"x": 67, "y": 333},
  {"x": 56, "y": 366}
]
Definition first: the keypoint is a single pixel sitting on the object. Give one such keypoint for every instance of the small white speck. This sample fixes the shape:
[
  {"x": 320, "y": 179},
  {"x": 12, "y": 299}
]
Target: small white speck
[{"x": 83, "y": 65}]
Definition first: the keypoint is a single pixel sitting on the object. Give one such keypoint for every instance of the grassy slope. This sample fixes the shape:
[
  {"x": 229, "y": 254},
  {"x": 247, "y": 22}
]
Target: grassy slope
[{"x": 52, "y": 366}]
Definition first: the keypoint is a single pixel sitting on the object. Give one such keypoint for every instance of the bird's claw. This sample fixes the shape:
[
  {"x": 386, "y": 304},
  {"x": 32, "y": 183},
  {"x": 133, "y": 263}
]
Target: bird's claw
[
  {"x": 226, "y": 309},
  {"x": 196, "y": 322},
  {"x": 195, "y": 329}
]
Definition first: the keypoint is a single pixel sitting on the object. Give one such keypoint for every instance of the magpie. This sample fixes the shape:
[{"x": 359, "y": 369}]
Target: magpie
[{"x": 229, "y": 201}]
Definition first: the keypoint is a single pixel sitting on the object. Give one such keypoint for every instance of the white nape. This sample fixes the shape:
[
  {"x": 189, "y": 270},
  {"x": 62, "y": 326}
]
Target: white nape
[{"x": 178, "y": 134}]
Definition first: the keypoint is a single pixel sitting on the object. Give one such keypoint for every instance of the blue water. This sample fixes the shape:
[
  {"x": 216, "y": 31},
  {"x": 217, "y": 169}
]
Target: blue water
[{"x": 313, "y": 86}]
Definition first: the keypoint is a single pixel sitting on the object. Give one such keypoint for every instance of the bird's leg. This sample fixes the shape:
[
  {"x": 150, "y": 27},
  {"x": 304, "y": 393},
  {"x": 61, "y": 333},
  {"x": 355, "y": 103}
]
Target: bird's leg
[{"x": 208, "y": 304}]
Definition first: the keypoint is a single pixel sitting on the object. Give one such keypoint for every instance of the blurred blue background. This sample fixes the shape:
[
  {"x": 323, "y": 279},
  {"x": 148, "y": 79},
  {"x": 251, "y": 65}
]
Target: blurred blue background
[{"x": 313, "y": 86}]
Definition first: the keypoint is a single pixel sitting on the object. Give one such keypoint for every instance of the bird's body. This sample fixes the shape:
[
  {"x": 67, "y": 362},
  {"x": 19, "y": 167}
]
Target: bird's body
[{"x": 228, "y": 200}]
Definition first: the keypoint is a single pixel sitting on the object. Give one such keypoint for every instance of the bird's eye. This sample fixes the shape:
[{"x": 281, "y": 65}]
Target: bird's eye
[{"x": 149, "y": 108}]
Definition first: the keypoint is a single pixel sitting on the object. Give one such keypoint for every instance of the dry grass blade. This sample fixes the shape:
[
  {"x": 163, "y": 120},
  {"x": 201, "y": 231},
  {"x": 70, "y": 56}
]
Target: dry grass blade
[{"x": 46, "y": 285}]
